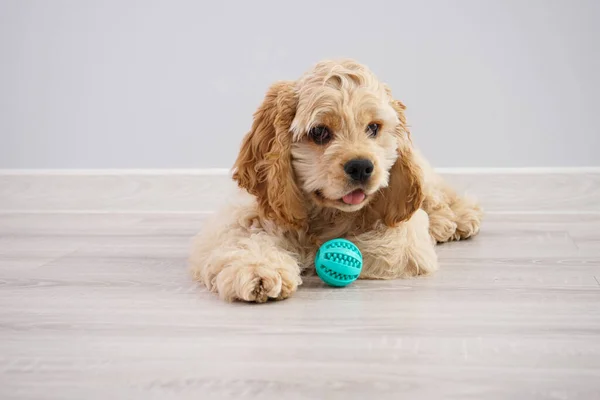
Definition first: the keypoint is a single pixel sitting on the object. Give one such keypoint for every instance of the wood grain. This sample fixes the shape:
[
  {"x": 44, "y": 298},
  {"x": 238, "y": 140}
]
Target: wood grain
[{"x": 101, "y": 306}]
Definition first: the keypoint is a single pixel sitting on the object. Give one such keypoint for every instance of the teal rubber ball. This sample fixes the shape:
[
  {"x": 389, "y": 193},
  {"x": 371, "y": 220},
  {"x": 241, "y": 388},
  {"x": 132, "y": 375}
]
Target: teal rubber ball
[{"x": 338, "y": 262}]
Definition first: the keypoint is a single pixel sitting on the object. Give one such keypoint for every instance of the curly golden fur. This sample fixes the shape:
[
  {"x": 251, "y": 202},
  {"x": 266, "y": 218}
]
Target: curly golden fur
[{"x": 296, "y": 192}]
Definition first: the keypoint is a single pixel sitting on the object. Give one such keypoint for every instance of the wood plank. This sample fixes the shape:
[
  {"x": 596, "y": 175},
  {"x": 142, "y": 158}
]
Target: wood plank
[{"x": 108, "y": 310}]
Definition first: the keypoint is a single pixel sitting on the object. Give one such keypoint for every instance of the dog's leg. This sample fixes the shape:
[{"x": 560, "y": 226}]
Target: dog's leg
[
  {"x": 401, "y": 252},
  {"x": 451, "y": 217},
  {"x": 244, "y": 264},
  {"x": 468, "y": 217}
]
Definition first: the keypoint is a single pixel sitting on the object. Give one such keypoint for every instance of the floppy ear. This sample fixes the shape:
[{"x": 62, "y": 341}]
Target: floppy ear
[
  {"x": 404, "y": 195},
  {"x": 264, "y": 163}
]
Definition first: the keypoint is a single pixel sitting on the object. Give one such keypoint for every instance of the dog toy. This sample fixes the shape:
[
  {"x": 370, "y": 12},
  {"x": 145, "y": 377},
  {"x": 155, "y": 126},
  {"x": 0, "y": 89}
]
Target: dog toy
[{"x": 338, "y": 262}]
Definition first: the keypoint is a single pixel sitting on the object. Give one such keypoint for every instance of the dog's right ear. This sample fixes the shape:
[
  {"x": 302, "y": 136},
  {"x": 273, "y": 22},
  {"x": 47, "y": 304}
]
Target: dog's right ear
[{"x": 264, "y": 163}]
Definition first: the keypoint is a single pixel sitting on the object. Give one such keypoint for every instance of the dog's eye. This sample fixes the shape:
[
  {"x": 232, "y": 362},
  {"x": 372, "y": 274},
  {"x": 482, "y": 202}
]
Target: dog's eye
[
  {"x": 320, "y": 134},
  {"x": 373, "y": 129}
]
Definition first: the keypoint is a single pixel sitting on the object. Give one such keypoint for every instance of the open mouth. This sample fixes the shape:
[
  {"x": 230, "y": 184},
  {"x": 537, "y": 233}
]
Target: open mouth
[{"x": 353, "y": 198}]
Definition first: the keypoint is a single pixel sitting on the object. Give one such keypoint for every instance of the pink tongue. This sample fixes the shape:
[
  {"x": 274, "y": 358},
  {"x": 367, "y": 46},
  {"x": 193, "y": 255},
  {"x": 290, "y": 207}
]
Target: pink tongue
[{"x": 355, "y": 197}]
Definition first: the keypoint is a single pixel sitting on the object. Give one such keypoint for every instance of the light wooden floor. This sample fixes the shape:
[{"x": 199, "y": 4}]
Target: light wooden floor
[{"x": 101, "y": 306}]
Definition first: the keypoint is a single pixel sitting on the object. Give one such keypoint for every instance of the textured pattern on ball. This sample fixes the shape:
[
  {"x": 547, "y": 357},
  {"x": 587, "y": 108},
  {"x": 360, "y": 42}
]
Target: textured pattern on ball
[{"x": 338, "y": 262}]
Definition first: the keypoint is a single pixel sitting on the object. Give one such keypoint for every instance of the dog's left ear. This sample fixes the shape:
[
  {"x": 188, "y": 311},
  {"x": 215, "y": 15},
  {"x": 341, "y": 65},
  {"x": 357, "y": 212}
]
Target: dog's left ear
[
  {"x": 404, "y": 195},
  {"x": 264, "y": 163}
]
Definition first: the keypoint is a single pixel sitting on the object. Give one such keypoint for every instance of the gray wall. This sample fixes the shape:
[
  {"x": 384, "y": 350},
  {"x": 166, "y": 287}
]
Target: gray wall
[{"x": 173, "y": 84}]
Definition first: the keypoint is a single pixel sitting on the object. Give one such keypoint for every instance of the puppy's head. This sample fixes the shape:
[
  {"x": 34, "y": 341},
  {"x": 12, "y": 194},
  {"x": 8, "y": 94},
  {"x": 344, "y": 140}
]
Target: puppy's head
[{"x": 333, "y": 139}]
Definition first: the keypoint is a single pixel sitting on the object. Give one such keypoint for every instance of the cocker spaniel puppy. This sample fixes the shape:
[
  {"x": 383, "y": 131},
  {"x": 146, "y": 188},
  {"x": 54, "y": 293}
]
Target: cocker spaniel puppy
[{"x": 328, "y": 156}]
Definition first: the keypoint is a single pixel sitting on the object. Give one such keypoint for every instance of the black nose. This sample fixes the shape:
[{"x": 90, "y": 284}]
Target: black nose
[{"x": 359, "y": 170}]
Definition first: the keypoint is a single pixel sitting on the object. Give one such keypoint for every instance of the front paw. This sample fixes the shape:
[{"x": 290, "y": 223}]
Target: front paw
[
  {"x": 256, "y": 283},
  {"x": 441, "y": 228},
  {"x": 468, "y": 220}
]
